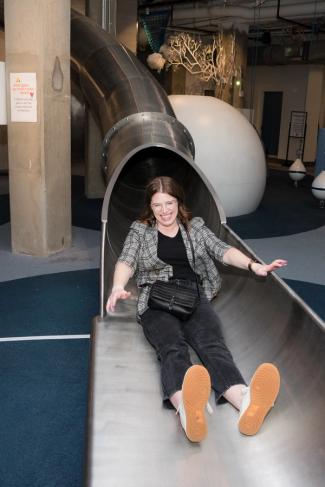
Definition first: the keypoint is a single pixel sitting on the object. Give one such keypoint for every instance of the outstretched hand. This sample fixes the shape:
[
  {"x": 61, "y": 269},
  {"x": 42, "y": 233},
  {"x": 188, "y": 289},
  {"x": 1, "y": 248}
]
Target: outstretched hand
[
  {"x": 115, "y": 295},
  {"x": 264, "y": 269}
]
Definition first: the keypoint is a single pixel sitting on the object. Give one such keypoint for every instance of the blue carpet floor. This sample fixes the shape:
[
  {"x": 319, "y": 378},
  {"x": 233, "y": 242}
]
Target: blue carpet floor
[
  {"x": 43, "y": 392},
  {"x": 284, "y": 210},
  {"x": 312, "y": 294},
  {"x": 54, "y": 304},
  {"x": 44, "y": 383}
]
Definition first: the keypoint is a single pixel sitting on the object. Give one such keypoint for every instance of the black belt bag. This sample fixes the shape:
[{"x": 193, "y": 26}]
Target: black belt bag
[{"x": 175, "y": 298}]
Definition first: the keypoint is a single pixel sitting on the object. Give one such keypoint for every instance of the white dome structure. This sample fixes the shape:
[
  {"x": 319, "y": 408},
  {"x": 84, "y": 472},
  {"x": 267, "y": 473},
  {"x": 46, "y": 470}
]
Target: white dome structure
[
  {"x": 318, "y": 188},
  {"x": 228, "y": 150}
]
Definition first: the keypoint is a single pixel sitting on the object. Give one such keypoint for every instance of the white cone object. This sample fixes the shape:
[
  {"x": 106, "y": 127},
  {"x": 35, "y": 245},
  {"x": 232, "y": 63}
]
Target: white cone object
[
  {"x": 297, "y": 170},
  {"x": 318, "y": 186}
]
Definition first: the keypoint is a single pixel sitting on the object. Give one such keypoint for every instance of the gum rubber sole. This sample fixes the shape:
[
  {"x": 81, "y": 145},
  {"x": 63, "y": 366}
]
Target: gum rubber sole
[
  {"x": 196, "y": 391},
  {"x": 264, "y": 389}
]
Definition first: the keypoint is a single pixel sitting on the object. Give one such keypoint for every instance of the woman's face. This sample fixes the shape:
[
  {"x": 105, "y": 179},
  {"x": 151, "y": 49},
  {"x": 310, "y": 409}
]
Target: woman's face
[{"x": 165, "y": 209}]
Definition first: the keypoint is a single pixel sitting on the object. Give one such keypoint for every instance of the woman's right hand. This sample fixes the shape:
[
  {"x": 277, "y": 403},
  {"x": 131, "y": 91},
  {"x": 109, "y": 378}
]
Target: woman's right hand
[{"x": 116, "y": 294}]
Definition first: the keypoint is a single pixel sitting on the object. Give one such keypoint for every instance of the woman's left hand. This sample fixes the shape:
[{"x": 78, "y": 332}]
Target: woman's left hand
[{"x": 263, "y": 269}]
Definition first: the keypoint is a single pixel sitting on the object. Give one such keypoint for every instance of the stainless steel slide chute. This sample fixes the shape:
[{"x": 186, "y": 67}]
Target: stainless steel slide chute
[
  {"x": 133, "y": 441},
  {"x": 132, "y": 109},
  {"x": 141, "y": 136}
]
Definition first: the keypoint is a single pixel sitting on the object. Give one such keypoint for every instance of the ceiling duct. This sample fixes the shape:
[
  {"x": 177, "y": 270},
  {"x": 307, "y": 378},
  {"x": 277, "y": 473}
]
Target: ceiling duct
[
  {"x": 202, "y": 12},
  {"x": 294, "y": 22},
  {"x": 277, "y": 54}
]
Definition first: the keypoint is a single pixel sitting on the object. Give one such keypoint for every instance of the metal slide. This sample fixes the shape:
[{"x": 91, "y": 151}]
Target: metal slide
[{"x": 132, "y": 440}]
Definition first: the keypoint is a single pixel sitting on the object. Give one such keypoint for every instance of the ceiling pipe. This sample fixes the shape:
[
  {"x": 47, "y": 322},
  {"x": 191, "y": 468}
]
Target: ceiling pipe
[
  {"x": 290, "y": 21},
  {"x": 265, "y": 14}
]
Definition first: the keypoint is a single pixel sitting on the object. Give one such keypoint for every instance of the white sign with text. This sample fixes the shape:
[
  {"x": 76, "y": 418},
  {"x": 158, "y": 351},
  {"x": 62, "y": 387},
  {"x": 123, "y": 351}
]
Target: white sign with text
[{"x": 23, "y": 97}]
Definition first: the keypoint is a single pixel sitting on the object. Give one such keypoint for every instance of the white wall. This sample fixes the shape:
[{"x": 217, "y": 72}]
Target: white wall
[
  {"x": 302, "y": 88},
  {"x": 314, "y": 107}
]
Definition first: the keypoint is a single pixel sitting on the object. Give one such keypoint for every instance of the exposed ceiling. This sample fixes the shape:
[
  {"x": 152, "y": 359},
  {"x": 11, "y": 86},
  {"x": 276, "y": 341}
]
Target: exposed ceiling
[
  {"x": 294, "y": 18},
  {"x": 284, "y": 20}
]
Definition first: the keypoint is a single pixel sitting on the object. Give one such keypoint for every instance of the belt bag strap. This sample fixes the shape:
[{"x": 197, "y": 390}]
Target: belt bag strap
[
  {"x": 173, "y": 298},
  {"x": 193, "y": 255}
]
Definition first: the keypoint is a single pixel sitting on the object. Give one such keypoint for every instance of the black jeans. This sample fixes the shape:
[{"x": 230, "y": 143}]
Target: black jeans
[{"x": 170, "y": 338}]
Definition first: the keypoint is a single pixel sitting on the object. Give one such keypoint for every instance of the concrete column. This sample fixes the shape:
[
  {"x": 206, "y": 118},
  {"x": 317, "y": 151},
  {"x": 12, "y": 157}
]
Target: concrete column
[
  {"x": 95, "y": 186},
  {"x": 127, "y": 24},
  {"x": 104, "y": 13},
  {"x": 238, "y": 99},
  {"x": 118, "y": 19},
  {"x": 38, "y": 41},
  {"x": 235, "y": 94},
  {"x": 176, "y": 81}
]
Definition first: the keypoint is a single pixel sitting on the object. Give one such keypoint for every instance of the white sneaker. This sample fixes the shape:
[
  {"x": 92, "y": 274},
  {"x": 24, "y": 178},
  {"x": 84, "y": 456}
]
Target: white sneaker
[
  {"x": 182, "y": 414},
  {"x": 196, "y": 390},
  {"x": 258, "y": 398}
]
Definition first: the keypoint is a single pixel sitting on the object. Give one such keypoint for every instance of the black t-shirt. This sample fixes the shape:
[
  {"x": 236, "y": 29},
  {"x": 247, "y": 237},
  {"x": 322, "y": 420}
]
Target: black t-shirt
[{"x": 172, "y": 251}]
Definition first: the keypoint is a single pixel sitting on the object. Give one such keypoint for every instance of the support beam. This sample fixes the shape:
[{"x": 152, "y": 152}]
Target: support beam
[{"x": 38, "y": 41}]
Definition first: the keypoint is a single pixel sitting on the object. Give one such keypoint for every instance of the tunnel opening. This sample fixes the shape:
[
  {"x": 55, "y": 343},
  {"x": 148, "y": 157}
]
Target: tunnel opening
[
  {"x": 124, "y": 200},
  {"x": 127, "y": 197}
]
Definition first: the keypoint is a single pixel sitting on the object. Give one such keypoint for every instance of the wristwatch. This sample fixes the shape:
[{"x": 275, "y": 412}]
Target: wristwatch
[{"x": 250, "y": 263}]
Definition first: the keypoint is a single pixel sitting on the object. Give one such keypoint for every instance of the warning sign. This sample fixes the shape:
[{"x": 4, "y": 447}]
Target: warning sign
[{"x": 23, "y": 97}]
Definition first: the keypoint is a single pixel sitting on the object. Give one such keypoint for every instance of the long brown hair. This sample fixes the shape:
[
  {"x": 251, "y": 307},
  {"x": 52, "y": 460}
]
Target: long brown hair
[{"x": 164, "y": 184}]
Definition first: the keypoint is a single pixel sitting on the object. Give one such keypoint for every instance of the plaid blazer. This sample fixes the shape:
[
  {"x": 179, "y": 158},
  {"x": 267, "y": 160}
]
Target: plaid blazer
[{"x": 140, "y": 253}]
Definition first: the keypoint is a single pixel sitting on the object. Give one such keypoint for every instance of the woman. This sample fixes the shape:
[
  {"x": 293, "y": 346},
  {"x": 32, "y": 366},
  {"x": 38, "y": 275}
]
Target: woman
[{"x": 159, "y": 247}]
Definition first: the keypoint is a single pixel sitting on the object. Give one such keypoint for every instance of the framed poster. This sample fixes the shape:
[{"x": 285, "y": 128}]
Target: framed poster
[
  {"x": 297, "y": 124},
  {"x": 23, "y": 97}
]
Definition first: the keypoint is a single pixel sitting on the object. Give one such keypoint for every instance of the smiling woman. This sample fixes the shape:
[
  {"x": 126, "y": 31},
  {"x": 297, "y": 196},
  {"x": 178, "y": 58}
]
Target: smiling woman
[
  {"x": 172, "y": 258},
  {"x": 164, "y": 204},
  {"x": 165, "y": 211}
]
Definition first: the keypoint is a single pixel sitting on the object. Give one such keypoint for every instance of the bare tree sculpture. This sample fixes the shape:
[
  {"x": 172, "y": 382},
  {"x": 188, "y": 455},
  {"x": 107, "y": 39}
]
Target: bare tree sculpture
[{"x": 215, "y": 61}]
